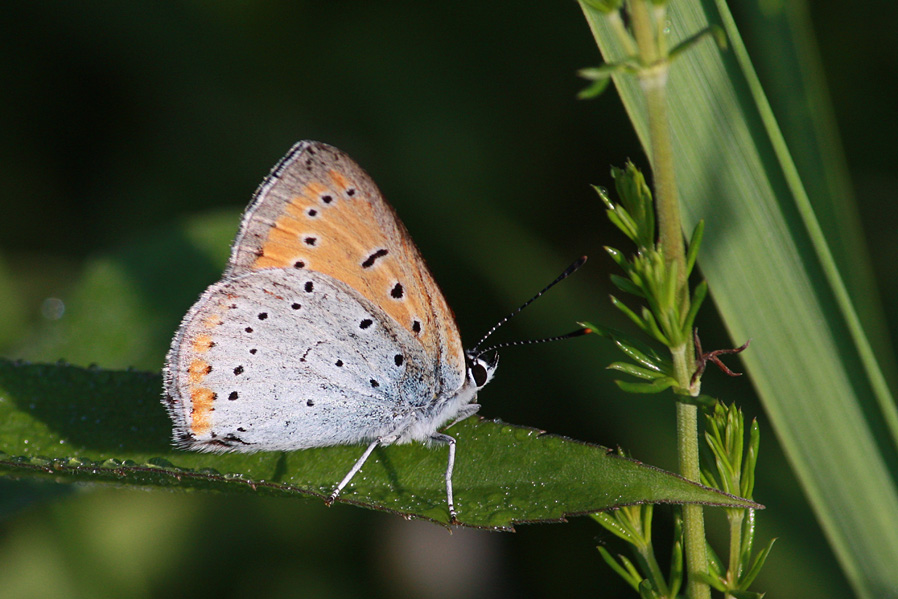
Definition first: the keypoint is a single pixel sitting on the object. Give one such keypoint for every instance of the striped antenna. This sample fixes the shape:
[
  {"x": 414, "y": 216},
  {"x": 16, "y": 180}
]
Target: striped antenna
[{"x": 567, "y": 272}]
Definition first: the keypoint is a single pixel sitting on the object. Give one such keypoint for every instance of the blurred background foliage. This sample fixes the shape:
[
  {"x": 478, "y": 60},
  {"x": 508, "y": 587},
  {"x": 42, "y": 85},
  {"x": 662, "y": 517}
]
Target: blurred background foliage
[{"x": 133, "y": 134}]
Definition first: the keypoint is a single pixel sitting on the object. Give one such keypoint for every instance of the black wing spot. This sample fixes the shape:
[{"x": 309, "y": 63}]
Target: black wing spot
[
  {"x": 397, "y": 291},
  {"x": 295, "y": 306},
  {"x": 310, "y": 402},
  {"x": 248, "y": 329},
  {"x": 398, "y": 359},
  {"x": 233, "y": 395},
  {"x": 253, "y": 351},
  {"x": 312, "y": 213},
  {"x": 310, "y": 241},
  {"x": 238, "y": 370},
  {"x": 350, "y": 192},
  {"x": 262, "y": 315},
  {"x": 299, "y": 264},
  {"x": 374, "y": 383},
  {"x": 367, "y": 322},
  {"x": 416, "y": 326},
  {"x": 369, "y": 261},
  {"x": 309, "y": 287},
  {"x": 327, "y": 199},
  {"x": 339, "y": 363}
]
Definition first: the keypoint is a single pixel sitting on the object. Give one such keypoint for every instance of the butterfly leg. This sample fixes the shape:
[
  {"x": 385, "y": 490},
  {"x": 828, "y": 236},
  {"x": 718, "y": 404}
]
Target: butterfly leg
[
  {"x": 354, "y": 470},
  {"x": 450, "y": 441}
]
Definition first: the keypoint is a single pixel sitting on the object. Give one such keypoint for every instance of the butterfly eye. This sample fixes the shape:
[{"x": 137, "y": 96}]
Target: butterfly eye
[{"x": 478, "y": 373}]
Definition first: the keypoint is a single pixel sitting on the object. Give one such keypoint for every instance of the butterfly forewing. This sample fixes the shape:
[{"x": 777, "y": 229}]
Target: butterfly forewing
[{"x": 318, "y": 210}]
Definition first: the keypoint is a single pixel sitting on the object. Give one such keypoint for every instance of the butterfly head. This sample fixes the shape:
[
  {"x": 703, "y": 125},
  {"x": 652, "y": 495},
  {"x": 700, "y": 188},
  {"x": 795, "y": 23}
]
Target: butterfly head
[{"x": 481, "y": 368}]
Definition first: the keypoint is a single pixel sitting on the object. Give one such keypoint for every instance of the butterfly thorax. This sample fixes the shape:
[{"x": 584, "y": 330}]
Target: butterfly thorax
[{"x": 452, "y": 407}]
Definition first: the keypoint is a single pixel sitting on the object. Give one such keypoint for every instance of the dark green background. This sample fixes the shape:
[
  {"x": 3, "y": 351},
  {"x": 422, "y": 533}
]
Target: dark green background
[{"x": 128, "y": 127}]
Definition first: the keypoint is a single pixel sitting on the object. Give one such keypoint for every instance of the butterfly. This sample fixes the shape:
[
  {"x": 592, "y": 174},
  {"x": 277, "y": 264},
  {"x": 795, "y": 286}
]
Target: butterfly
[{"x": 325, "y": 329}]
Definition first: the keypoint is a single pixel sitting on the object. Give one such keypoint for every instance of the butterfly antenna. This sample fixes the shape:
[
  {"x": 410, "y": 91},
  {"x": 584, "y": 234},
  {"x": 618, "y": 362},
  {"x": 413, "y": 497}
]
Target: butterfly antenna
[
  {"x": 571, "y": 335},
  {"x": 567, "y": 272}
]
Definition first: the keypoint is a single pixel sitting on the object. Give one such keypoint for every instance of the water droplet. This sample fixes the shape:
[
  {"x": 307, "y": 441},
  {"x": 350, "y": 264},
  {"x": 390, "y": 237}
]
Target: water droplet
[{"x": 522, "y": 434}]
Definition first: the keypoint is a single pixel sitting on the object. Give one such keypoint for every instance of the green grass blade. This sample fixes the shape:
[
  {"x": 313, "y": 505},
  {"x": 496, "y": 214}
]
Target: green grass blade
[{"x": 775, "y": 281}]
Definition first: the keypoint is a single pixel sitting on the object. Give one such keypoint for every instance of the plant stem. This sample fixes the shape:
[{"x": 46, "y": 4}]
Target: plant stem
[
  {"x": 653, "y": 81},
  {"x": 693, "y": 518},
  {"x": 736, "y": 519}
]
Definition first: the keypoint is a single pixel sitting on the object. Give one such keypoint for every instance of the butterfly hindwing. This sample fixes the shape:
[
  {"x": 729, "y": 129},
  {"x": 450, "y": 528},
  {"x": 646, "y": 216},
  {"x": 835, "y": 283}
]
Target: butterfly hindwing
[{"x": 306, "y": 374}]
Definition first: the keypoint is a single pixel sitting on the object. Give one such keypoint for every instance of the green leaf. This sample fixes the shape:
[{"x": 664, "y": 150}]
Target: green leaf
[
  {"x": 647, "y": 591},
  {"x": 788, "y": 269},
  {"x": 751, "y": 458},
  {"x": 749, "y": 577},
  {"x": 716, "y": 32},
  {"x": 594, "y": 89},
  {"x": 626, "y": 285},
  {"x": 652, "y": 328},
  {"x": 619, "y": 258},
  {"x": 625, "y": 569},
  {"x": 675, "y": 577},
  {"x": 695, "y": 243},
  {"x": 698, "y": 298},
  {"x": 620, "y": 527},
  {"x": 656, "y": 386},
  {"x": 637, "y": 371},
  {"x": 654, "y": 363},
  {"x": 622, "y": 220},
  {"x": 636, "y": 350},
  {"x": 712, "y": 580},
  {"x": 630, "y": 314},
  {"x": 636, "y": 201},
  {"x": 93, "y": 425}
]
